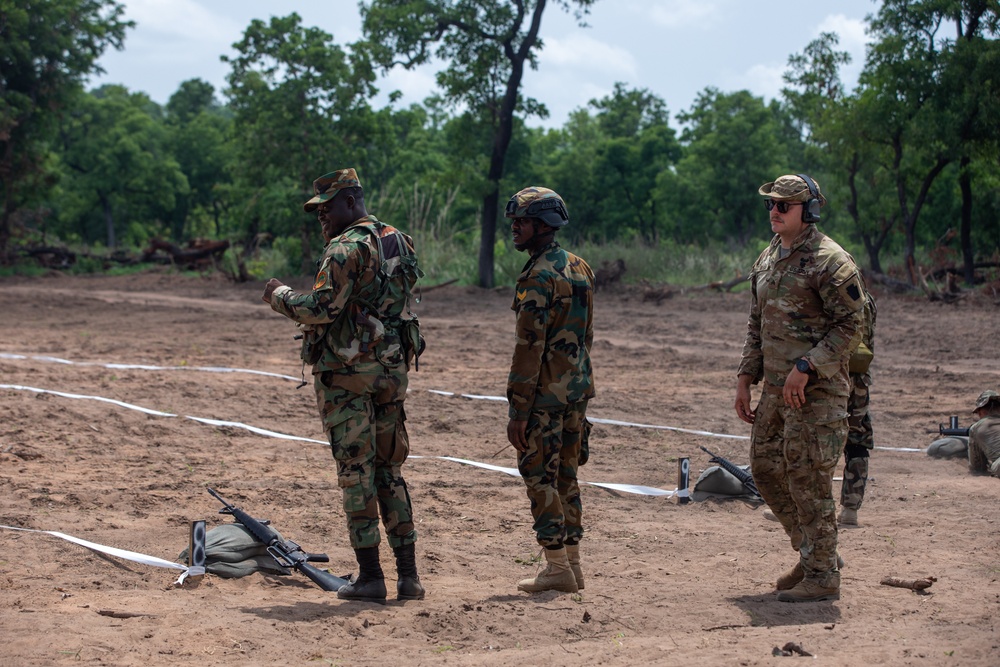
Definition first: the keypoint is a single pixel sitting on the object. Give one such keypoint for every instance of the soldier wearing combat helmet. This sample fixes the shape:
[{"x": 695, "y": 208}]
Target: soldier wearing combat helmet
[
  {"x": 806, "y": 307},
  {"x": 550, "y": 383},
  {"x": 984, "y": 435}
]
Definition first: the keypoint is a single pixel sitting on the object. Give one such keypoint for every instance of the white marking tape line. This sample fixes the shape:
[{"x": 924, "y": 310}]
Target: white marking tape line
[
  {"x": 479, "y": 397},
  {"x": 629, "y": 488},
  {"x": 133, "y": 556},
  {"x": 146, "y": 367}
]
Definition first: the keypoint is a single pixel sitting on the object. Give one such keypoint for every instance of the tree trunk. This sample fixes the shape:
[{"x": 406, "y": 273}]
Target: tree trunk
[
  {"x": 501, "y": 141},
  {"x": 965, "y": 184},
  {"x": 109, "y": 220}
]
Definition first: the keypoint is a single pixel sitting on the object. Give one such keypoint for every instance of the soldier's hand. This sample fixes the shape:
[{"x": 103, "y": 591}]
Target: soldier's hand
[
  {"x": 742, "y": 404},
  {"x": 269, "y": 288},
  {"x": 517, "y": 430},
  {"x": 794, "y": 392}
]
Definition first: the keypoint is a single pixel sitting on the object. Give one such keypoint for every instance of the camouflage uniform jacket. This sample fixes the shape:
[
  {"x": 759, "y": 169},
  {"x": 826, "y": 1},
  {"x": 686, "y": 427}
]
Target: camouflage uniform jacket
[
  {"x": 808, "y": 304},
  {"x": 554, "y": 332},
  {"x": 358, "y": 309}
]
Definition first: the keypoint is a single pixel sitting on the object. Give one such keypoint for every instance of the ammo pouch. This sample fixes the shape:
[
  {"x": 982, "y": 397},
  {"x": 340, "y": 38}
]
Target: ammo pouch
[
  {"x": 312, "y": 343},
  {"x": 861, "y": 359},
  {"x": 412, "y": 342}
]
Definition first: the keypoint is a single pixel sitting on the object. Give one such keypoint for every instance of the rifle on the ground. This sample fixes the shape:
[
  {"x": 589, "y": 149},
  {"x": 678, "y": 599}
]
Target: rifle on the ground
[
  {"x": 739, "y": 473},
  {"x": 953, "y": 428},
  {"x": 287, "y": 553}
]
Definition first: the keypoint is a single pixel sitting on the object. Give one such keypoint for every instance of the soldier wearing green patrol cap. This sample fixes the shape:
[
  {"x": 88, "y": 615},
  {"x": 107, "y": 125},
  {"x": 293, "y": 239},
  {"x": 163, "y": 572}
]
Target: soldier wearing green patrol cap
[
  {"x": 360, "y": 338},
  {"x": 328, "y": 185},
  {"x": 806, "y": 314},
  {"x": 984, "y": 435}
]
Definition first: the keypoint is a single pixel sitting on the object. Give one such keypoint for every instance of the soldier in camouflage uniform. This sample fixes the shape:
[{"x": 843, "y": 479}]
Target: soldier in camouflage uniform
[
  {"x": 805, "y": 320},
  {"x": 360, "y": 337},
  {"x": 984, "y": 435},
  {"x": 860, "y": 435},
  {"x": 550, "y": 383}
]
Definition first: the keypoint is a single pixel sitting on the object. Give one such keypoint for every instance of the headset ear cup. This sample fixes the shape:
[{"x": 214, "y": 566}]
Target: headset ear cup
[{"x": 810, "y": 212}]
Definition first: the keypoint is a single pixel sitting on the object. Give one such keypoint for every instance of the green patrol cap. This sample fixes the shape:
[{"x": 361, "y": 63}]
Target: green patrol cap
[
  {"x": 790, "y": 187},
  {"x": 985, "y": 398},
  {"x": 328, "y": 185}
]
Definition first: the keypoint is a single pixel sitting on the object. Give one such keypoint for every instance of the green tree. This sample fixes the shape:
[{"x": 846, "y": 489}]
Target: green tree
[
  {"x": 732, "y": 142},
  {"x": 827, "y": 117},
  {"x": 639, "y": 147},
  {"x": 117, "y": 167},
  {"x": 300, "y": 107},
  {"x": 486, "y": 45},
  {"x": 47, "y": 49},
  {"x": 917, "y": 101},
  {"x": 199, "y": 129}
]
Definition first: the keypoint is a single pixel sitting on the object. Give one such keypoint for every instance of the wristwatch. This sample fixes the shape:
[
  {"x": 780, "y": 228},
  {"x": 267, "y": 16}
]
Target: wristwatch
[{"x": 802, "y": 366}]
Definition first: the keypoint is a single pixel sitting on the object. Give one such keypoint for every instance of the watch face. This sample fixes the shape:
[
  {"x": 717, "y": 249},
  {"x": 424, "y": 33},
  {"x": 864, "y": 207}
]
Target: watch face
[{"x": 802, "y": 365}]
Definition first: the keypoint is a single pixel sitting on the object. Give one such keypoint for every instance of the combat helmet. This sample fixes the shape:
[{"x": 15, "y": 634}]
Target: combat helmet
[{"x": 541, "y": 203}]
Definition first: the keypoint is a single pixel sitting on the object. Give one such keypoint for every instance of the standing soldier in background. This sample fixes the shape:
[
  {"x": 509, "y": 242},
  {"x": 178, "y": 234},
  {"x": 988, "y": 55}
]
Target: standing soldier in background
[
  {"x": 550, "y": 383},
  {"x": 984, "y": 435},
  {"x": 360, "y": 337},
  {"x": 861, "y": 435},
  {"x": 805, "y": 321}
]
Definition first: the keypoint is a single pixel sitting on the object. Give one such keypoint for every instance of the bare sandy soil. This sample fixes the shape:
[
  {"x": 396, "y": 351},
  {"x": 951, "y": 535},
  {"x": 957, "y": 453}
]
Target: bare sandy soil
[{"x": 666, "y": 583}]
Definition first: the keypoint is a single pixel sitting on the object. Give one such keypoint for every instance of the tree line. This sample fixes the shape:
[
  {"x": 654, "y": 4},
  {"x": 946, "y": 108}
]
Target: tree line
[{"x": 908, "y": 159}]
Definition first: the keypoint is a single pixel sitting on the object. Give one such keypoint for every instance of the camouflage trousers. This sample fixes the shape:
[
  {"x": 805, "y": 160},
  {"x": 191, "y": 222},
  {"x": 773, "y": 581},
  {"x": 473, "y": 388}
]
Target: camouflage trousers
[
  {"x": 364, "y": 420},
  {"x": 860, "y": 441},
  {"x": 549, "y": 469},
  {"x": 793, "y": 454}
]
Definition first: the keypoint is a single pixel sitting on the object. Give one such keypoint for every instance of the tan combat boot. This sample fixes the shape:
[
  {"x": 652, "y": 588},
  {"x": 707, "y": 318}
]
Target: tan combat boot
[
  {"x": 557, "y": 575},
  {"x": 813, "y": 590},
  {"x": 573, "y": 556},
  {"x": 847, "y": 517},
  {"x": 789, "y": 579}
]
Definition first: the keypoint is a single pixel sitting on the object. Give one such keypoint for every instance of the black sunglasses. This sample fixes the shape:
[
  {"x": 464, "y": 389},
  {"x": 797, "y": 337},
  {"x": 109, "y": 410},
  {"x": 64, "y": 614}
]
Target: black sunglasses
[{"x": 782, "y": 206}]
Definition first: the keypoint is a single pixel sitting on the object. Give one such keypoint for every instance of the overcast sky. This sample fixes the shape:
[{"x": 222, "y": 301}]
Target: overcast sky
[{"x": 673, "y": 48}]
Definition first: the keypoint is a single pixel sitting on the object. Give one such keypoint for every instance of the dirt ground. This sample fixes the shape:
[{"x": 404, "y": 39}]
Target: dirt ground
[{"x": 666, "y": 583}]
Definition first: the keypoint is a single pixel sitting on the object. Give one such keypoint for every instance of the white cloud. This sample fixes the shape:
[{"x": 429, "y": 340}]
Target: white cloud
[
  {"x": 415, "y": 85},
  {"x": 183, "y": 21},
  {"x": 761, "y": 80},
  {"x": 851, "y": 32},
  {"x": 680, "y": 13},
  {"x": 583, "y": 52}
]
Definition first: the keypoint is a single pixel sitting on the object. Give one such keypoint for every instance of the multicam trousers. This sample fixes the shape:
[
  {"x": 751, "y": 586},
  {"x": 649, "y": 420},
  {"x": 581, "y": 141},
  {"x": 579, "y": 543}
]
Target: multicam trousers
[
  {"x": 364, "y": 420},
  {"x": 549, "y": 468},
  {"x": 793, "y": 454},
  {"x": 860, "y": 441}
]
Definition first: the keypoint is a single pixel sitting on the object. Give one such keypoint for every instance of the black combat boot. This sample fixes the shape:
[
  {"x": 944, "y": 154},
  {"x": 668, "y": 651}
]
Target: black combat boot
[
  {"x": 408, "y": 585},
  {"x": 369, "y": 585}
]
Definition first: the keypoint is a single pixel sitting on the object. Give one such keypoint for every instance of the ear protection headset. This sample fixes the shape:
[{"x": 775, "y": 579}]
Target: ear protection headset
[{"x": 810, "y": 210}]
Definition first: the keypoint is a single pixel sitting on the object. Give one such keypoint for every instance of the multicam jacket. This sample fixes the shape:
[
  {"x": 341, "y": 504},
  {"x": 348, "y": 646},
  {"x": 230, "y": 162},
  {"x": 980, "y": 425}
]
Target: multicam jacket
[
  {"x": 984, "y": 445},
  {"x": 554, "y": 332},
  {"x": 358, "y": 309},
  {"x": 807, "y": 304}
]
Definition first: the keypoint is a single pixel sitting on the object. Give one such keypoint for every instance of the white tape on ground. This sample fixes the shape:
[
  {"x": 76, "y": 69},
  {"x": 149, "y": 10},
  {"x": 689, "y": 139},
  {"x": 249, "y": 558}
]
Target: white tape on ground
[
  {"x": 479, "y": 397},
  {"x": 629, "y": 488},
  {"x": 146, "y": 367},
  {"x": 133, "y": 556}
]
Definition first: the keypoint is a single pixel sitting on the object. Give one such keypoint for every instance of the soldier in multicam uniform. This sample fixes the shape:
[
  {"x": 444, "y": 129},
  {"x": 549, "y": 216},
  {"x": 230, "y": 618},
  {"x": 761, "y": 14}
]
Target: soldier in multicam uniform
[
  {"x": 360, "y": 338},
  {"x": 805, "y": 321},
  {"x": 550, "y": 383},
  {"x": 984, "y": 435}
]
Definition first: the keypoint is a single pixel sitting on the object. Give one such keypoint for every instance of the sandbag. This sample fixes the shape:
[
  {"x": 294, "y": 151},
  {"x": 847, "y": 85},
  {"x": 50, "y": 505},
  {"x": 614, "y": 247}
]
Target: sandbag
[
  {"x": 952, "y": 447},
  {"x": 232, "y": 551},
  {"x": 717, "y": 482}
]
